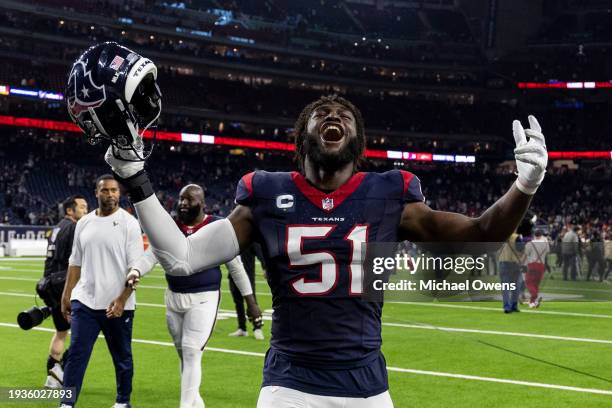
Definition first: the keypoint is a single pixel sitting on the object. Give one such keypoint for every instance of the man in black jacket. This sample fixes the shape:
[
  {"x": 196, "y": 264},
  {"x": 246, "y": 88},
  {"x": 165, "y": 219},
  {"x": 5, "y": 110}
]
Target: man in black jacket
[
  {"x": 248, "y": 260},
  {"x": 59, "y": 248}
]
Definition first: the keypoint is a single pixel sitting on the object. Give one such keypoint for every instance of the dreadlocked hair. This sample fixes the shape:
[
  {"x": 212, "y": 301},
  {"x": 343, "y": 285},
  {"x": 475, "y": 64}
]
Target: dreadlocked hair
[{"x": 301, "y": 123}]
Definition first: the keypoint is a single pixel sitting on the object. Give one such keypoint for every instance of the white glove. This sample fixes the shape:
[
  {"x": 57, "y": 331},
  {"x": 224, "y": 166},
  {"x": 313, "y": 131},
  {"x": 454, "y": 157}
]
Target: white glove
[
  {"x": 124, "y": 168},
  {"x": 132, "y": 279},
  {"x": 531, "y": 156}
]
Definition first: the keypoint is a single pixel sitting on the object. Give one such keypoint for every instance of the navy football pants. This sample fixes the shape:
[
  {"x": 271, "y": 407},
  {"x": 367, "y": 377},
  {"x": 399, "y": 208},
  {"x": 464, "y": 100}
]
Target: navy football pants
[{"x": 86, "y": 325}]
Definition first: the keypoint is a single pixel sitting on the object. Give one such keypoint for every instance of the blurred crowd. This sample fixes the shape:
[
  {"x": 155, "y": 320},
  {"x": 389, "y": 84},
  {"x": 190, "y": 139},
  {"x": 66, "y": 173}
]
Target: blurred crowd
[{"x": 55, "y": 165}]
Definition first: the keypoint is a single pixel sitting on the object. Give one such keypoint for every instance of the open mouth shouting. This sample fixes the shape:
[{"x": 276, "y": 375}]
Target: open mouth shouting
[{"x": 331, "y": 133}]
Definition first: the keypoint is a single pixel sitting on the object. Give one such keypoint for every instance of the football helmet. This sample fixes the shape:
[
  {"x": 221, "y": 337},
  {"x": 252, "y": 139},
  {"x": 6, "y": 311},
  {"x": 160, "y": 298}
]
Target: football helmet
[{"x": 112, "y": 95}]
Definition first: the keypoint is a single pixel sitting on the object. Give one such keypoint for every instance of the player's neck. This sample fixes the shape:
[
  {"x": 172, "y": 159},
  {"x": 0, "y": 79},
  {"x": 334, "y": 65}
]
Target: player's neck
[{"x": 327, "y": 180}]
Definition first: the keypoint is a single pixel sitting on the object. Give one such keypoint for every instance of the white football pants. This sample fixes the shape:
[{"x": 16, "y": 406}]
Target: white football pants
[
  {"x": 281, "y": 397},
  {"x": 191, "y": 318}
]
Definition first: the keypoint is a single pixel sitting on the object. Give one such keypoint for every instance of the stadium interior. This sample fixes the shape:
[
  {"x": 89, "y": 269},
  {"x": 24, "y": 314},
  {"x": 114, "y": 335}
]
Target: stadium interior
[{"x": 438, "y": 82}]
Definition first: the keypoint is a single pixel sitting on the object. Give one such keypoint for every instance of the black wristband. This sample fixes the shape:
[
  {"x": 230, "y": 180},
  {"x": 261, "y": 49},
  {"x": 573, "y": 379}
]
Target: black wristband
[{"x": 138, "y": 186}]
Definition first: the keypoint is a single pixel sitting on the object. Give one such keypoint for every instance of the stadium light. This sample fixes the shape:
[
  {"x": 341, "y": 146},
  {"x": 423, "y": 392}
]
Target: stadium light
[
  {"x": 565, "y": 85},
  {"x": 185, "y": 137}
]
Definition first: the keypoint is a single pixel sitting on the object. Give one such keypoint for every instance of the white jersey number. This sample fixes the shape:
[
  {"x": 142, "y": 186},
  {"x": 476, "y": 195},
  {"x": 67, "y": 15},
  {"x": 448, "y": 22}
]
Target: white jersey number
[{"x": 327, "y": 261}]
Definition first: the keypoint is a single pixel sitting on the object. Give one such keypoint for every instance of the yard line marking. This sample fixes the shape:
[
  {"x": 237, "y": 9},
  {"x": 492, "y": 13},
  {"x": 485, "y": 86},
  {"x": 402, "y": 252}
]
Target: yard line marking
[
  {"x": 15, "y": 278},
  {"x": 154, "y": 275},
  {"x": 498, "y": 309},
  {"x": 31, "y": 295},
  {"x": 149, "y": 304},
  {"x": 153, "y": 342},
  {"x": 577, "y": 289},
  {"x": 501, "y": 380},
  {"x": 394, "y": 369},
  {"x": 549, "y": 312},
  {"x": 408, "y": 326},
  {"x": 40, "y": 271},
  {"x": 19, "y": 259},
  {"x": 501, "y": 333}
]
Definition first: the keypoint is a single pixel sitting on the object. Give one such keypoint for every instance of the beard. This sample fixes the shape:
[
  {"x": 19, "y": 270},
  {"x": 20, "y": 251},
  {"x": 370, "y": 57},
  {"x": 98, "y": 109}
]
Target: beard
[
  {"x": 187, "y": 217},
  {"x": 108, "y": 205},
  {"x": 330, "y": 161}
]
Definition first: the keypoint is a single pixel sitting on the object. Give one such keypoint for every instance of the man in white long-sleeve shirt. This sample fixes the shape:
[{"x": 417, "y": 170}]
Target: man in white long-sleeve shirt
[
  {"x": 192, "y": 301},
  {"x": 107, "y": 242}
]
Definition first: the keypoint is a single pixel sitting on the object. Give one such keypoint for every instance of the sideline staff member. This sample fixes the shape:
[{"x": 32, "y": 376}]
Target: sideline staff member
[
  {"x": 59, "y": 247},
  {"x": 107, "y": 242}
]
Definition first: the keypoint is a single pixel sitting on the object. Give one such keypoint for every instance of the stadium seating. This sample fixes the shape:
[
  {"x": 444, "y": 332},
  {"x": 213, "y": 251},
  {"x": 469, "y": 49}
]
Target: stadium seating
[{"x": 57, "y": 165}]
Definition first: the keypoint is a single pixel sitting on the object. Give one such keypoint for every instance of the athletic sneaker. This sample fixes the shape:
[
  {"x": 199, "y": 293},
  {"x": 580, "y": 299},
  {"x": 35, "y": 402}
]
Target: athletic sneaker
[
  {"x": 57, "y": 372},
  {"x": 532, "y": 305},
  {"x": 258, "y": 334},
  {"x": 52, "y": 383},
  {"x": 239, "y": 333},
  {"x": 122, "y": 405}
]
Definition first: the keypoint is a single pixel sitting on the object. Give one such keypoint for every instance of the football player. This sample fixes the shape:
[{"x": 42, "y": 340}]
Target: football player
[
  {"x": 325, "y": 344},
  {"x": 192, "y": 301}
]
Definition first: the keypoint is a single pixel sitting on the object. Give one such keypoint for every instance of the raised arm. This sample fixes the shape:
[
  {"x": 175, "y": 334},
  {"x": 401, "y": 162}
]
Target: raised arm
[
  {"x": 212, "y": 245},
  {"x": 419, "y": 223}
]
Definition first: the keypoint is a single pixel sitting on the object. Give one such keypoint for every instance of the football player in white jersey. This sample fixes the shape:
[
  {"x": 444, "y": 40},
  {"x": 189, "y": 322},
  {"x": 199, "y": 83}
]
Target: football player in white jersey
[{"x": 192, "y": 301}]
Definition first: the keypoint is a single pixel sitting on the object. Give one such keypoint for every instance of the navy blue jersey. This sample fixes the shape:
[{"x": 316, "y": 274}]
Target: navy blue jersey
[
  {"x": 202, "y": 281},
  {"x": 311, "y": 241}
]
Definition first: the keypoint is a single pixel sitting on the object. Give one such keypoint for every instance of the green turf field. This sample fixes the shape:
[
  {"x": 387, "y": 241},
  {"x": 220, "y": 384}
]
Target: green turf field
[{"x": 439, "y": 354}]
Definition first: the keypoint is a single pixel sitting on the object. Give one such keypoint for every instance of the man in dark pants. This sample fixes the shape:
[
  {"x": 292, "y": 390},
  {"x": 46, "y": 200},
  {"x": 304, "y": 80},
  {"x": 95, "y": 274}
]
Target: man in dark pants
[
  {"x": 107, "y": 242},
  {"x": 510, "y": 271},
  {"x": 248, "y": 260},
  {"x": 570, "y": 251},
  {"x": 59, "y": 247},
  {"x": 596, "y": 256}
]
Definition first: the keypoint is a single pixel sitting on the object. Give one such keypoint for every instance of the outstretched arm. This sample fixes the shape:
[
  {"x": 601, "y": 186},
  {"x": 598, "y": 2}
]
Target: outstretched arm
[
  {"x": 420, "y": 223},
  {"x": 212, "y": 245}
]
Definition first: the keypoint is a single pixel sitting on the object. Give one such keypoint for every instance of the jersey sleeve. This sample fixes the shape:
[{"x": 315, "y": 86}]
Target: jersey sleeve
[
  {"x": 411, "y": 191},
  {"x": 244, "y": 190}
]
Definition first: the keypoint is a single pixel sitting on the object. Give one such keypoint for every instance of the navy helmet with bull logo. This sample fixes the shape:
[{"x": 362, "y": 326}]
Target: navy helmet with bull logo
[{"x": 112, "y": 95}]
